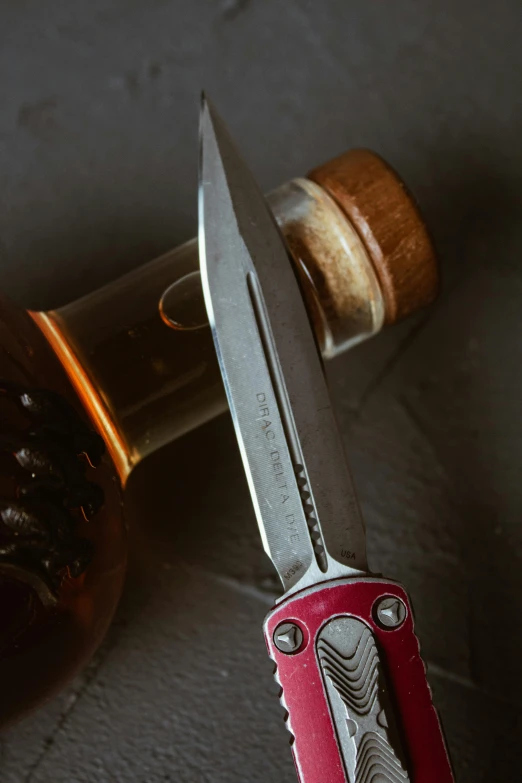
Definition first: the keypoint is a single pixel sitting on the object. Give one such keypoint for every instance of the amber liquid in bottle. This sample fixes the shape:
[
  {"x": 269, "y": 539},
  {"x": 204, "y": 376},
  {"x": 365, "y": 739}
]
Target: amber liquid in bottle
[{"x": 62, "y": 536}]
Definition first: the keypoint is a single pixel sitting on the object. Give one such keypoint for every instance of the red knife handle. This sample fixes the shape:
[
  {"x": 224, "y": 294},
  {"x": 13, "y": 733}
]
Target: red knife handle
[{"x": 354, "y": 686}]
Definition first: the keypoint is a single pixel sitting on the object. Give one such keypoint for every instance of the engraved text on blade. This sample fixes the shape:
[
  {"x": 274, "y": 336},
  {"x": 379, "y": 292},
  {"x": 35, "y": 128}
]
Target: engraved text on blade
[{"x": 277, "y": 470}]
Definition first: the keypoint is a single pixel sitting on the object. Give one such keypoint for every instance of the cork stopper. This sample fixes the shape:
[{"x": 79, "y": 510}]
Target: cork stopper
[{"x": 390, "y": 226}]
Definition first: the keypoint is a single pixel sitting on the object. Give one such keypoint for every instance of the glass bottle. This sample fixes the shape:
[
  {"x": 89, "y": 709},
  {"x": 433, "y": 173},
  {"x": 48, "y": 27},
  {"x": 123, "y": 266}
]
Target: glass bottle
[{"x": 90, "y": 389}]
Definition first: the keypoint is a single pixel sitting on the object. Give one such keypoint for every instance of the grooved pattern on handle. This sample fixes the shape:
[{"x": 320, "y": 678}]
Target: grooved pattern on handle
[
  {"x": 355, "y": 676},
  {"x": 376, "y": 762},
  {"x": 358, "y": 698}
]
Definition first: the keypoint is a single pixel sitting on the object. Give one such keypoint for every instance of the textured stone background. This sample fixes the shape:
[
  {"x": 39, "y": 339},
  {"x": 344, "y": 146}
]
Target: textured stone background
[{"x": 98, "y": 119}]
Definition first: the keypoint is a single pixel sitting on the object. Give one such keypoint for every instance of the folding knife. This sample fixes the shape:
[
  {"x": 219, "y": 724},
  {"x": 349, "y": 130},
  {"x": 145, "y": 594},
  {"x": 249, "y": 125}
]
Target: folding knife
[{"x": 354, "y": 686}]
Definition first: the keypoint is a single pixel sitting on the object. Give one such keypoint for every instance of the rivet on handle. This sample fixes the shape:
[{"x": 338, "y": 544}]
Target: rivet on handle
[
  {"x": 288, "y": 638},
  {"x": 389, "y": 612}
]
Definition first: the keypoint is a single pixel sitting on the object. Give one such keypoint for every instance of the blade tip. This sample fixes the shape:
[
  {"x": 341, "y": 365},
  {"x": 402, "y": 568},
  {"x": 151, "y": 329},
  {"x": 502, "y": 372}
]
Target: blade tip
[
  {"x": 205, "y": 121},
  {"x": 209, "y": 112},
  {"x": 203, "y": 107}
]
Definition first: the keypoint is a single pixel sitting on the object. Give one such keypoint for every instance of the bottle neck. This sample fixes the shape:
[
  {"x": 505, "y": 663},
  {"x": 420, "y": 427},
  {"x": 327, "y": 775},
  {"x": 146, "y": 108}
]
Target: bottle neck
[{"x": 139, "y": 351}]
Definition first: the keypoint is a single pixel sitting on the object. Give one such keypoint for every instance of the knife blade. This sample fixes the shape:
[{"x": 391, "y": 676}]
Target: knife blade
[
  {"x": 293, "y": 456},
  {"x": 354, "y": 686}
]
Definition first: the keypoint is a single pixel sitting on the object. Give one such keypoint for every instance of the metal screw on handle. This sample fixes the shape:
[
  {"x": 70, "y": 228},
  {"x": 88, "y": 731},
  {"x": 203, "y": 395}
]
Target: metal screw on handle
[
  {"x": 288, "y": 638},
  {"x": 390, "y": 612}
]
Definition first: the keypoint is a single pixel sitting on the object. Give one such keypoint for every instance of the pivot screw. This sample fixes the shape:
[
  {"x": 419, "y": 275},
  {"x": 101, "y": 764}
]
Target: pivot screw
[
  {"x": 390, "y": 612},
  {"x": 288, "y": 638}
]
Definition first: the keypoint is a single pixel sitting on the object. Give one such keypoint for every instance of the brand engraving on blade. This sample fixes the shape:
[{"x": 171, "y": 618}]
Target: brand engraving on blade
[
  {"x": 277, "y": 469},
  {"x": 293, "y": 570},
  {"x": 359, "y": 702}
]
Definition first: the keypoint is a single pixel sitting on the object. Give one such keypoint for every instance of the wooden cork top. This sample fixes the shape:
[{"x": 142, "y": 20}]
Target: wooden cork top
[{"x": 390, "y": 226}]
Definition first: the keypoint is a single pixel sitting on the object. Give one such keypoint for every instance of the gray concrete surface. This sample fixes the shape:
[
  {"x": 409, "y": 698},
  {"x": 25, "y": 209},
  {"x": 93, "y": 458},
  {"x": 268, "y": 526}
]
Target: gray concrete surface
[{"x": 98, "y": 117}]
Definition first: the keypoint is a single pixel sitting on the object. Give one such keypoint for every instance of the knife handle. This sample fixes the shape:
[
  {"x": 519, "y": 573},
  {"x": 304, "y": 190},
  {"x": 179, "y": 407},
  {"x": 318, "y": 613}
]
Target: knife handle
[{"x": 353, "y": 684}]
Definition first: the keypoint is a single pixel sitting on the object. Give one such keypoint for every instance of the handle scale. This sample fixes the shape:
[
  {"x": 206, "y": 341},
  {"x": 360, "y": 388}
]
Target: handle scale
[{"x": 359, "y": 707}]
